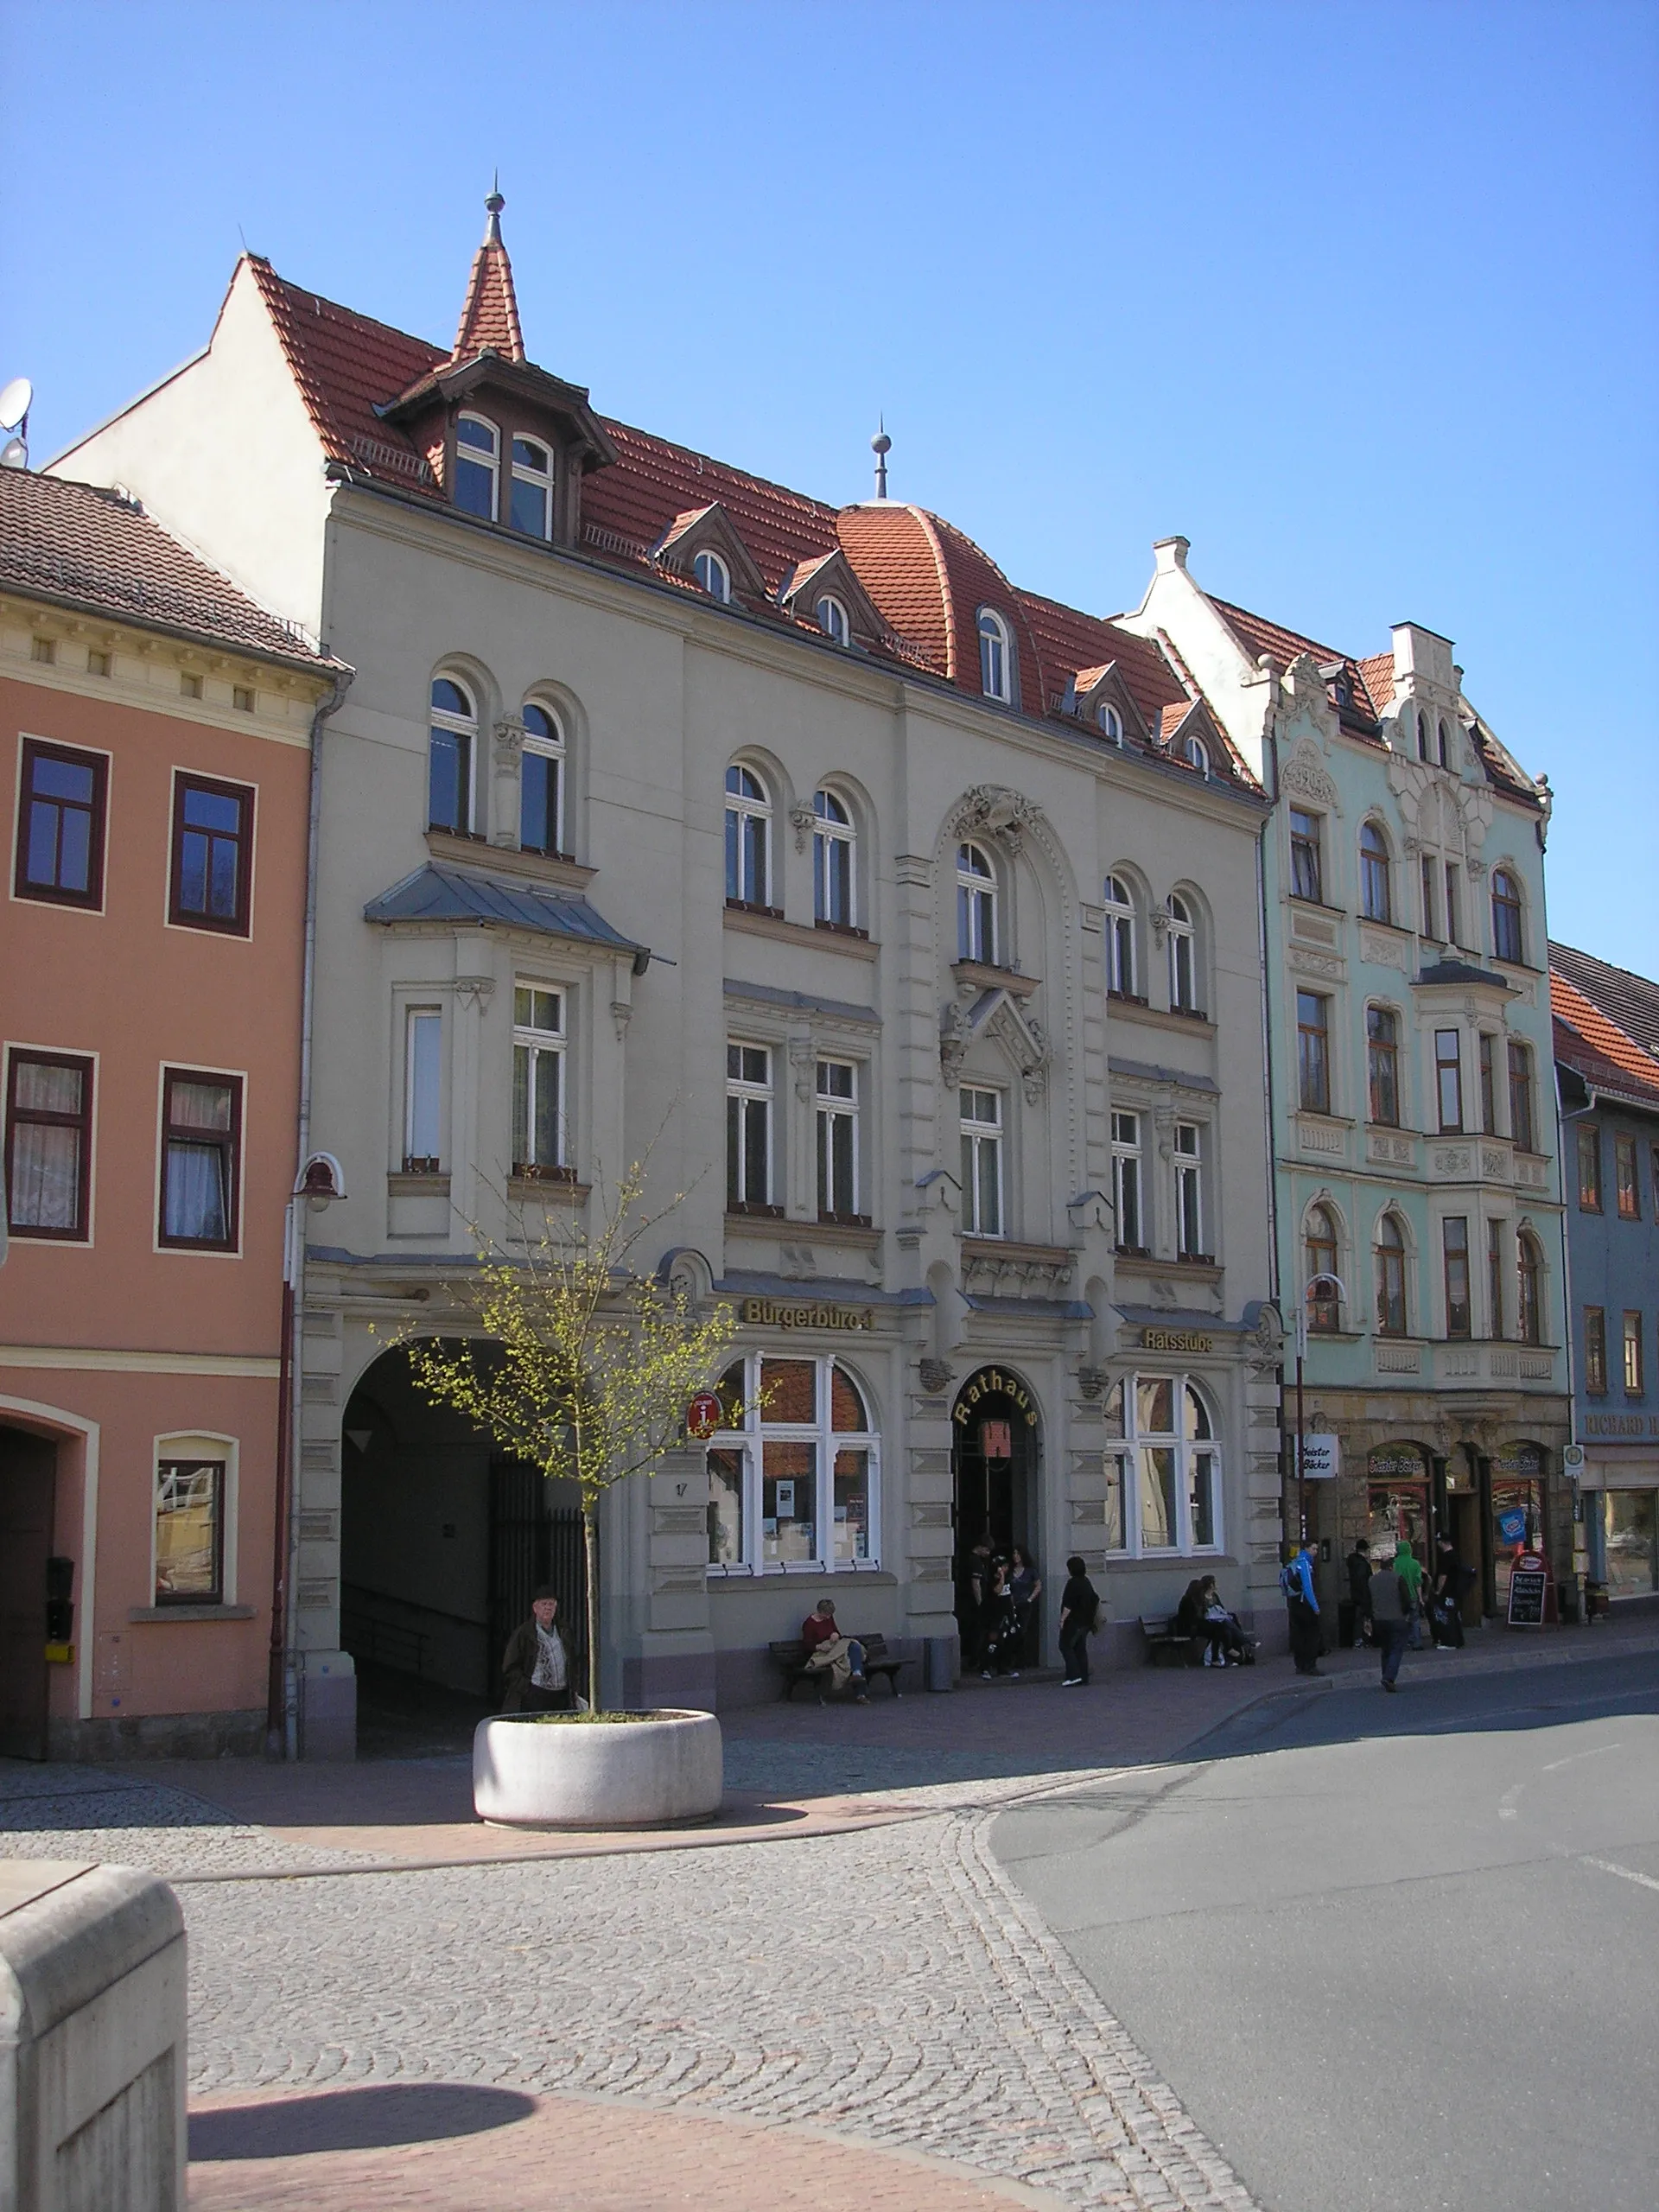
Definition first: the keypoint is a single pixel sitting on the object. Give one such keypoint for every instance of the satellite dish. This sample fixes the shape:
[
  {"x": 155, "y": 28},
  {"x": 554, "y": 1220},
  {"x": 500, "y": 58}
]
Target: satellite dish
[
  {"x": 13, "y": 453},
  {"x": 15, "y": 402}
]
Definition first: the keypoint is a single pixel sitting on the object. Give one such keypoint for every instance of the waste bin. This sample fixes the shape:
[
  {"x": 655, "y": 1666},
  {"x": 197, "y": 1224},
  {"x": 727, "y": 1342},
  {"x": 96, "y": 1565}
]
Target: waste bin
[{"x": 938, "y": 1661}]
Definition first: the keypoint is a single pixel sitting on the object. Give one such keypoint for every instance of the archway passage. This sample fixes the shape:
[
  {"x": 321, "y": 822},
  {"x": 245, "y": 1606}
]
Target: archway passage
[
  {"x": 443, "y": 1539},
  {"x": 994, "y": 1463},
  {"x": 28, "y": 1492}
]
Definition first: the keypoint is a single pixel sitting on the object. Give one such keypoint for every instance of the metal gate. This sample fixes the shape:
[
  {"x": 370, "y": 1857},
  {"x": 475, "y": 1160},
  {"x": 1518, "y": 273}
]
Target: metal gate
[{"x": 533, "y": 1542}]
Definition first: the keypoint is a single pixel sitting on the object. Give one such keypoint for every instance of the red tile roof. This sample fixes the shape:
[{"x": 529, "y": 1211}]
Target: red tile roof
[
  {"x": 1598, "y": 1049},
  {"x": 1377, "y": 673},
  {"x": 1630, "y": 1001},
  {"x": 1076, "y": 643},
  {"x": 489, "y": 315},
  {"x": 75, "y": 545}
]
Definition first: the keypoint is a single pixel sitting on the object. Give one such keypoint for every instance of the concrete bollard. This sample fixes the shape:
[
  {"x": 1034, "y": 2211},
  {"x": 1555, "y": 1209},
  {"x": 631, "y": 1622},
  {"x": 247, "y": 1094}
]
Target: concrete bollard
[{"x": 91, "y": 2039}]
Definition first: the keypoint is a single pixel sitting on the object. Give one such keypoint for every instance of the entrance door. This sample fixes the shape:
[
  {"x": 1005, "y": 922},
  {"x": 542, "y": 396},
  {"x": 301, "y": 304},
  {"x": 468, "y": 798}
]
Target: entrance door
[
  {"x": 29, "y": 1467},
  {"x": 994, "y": 1463}
]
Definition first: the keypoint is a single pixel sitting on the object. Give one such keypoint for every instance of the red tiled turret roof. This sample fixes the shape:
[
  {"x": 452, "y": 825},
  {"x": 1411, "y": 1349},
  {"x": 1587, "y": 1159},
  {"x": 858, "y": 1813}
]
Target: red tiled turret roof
[{"x": 489, "y": 315}]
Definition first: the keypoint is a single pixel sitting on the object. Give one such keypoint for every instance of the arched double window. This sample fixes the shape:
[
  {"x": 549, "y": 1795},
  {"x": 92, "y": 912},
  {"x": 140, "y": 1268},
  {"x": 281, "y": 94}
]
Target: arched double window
[
  {"x": 1529, "y": 1262},
  {"x": 714, "y": 575},
  {"x": 1319, "y": 1258},
  {"x": 1508, "y": 939},
  {"x": 831, "y": 618},
  {"x": 450, "y": 750},
  {"x": 478, "y": 465},
  {"x": 1183, "y": 957},
  {"x": 1111, "y": 722},
  {"x": 835, "y": 853},
  {"x": 1163, "y": 1467},
  {"x": 978, "y": 934},
  {"x": 794, "y": 1472},
  {"x": 1390, "y": 1277},
  {"x": 1375, "y": 876},
  {"x": 530, "y": 501},
  {"x": 1120, "y": 970},
  {"x": 996, "y": 657},
  {"x": 541, "y": 801},
  {"x": 748, "y": 837}
]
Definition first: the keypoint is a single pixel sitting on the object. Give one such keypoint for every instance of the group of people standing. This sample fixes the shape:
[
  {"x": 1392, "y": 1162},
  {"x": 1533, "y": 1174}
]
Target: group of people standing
[
  {"x": 1002, "y": 1590},
  {"x": 1391, "y": 1597}
]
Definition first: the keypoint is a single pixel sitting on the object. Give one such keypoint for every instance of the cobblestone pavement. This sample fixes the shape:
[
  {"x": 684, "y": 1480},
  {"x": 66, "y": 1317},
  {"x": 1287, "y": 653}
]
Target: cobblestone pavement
[{"x": 68, "y": 1812}]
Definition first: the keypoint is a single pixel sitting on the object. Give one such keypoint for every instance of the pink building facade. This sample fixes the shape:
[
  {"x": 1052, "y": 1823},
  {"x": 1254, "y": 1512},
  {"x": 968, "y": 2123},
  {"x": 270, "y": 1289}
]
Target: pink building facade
[{"x": 157, "y": 728}]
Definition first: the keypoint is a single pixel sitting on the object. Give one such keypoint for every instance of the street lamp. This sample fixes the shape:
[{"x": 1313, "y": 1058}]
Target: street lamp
[{"x": 1316, "y": 1284}]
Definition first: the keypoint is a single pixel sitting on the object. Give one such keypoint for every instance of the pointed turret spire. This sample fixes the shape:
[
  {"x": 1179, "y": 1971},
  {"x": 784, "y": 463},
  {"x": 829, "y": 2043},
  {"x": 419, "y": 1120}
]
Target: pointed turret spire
[{"x": 490, "y": 316}]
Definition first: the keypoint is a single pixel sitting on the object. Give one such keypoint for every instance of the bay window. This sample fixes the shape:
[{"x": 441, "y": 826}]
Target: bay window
[{"x": 538, "y": 1113}]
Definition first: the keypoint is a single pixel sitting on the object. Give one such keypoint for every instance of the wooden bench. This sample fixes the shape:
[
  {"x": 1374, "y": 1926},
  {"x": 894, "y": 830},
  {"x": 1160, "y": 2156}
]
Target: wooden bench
[
  {"x": 1165, "y": 1648},
  {"x": 791, "y": 1658}
]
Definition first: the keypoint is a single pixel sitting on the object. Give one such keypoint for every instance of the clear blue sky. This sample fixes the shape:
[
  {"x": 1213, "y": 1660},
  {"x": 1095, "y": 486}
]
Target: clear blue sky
[{"x": 1362, "y": 299}]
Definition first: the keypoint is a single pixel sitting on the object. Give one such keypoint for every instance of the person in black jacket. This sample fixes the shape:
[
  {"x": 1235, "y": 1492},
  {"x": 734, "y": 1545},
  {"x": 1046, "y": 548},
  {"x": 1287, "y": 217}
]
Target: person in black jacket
[
  {"x": 1446, "y": 1606},
  {"x": 1079, "y": 1609},
  {"x": 1358, "y": 1564}
]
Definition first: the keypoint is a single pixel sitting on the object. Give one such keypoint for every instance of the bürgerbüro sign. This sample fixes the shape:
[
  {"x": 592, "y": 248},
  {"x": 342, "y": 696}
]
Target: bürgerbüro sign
[{"x": 779, "y": 1313}]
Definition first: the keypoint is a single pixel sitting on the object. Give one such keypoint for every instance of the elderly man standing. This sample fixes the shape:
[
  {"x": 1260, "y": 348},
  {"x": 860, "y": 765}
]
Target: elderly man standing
[{"x": 538, "y": 1668}]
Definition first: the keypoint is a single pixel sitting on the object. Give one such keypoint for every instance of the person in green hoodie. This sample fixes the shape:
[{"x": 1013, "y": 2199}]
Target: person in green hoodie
[{"x": 1409, "y": 1568}]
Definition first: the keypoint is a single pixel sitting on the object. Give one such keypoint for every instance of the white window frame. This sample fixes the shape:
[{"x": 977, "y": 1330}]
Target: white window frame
[
  {"x": 1111, "y": 721},
  {"x": 540, "y": 1043},
  {"x": 545, "y": 479},
  {"x": 996, "y": 657},
  {"x": 749, "y": 1442},
  {"x": 551, "y": 748},
  {"x": 743, "y": 807},
  {"x": 1198, "y": 757},
  {"x": 715, "y": 578},
  {"x": 1183, "y": 957},
  {"x": 1189, "y": 1191},
  {"x": 832, "y": 834},
  {"x": 1504, "y": 874},
  {"x": 979, "y": 920},
  {"x": 1122, "y": 967},
  {"x": 983, "y": 1134},
  {"x": 491, "y": 464},
  {"x": 1128, "y": 1186},
  {"x": 834, "y": 1108},
  {"x": 414, "y": 1016},
  {"x": 1123, "y": 1411},
  {"x": 751, "y": 1093},
  {"x": 463, "y": 726},
  {"x": 833, "y": 620},
  {"x": 1310, "y": 839},
  {"x": 1375, "y": 865}
]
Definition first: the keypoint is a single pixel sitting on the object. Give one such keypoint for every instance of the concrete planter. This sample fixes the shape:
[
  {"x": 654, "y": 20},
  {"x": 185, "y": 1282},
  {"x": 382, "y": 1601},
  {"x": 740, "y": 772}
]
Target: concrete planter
[{"x": 631, "y": 1774}]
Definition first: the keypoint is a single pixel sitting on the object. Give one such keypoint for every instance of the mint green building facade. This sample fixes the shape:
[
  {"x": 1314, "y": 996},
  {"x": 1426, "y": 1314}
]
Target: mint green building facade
[{"x": 1409, "y": 1058}]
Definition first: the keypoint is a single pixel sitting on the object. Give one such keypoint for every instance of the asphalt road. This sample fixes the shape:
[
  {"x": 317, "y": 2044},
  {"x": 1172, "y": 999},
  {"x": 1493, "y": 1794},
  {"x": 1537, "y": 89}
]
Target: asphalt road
[{"x": 1392, "y": 1954}]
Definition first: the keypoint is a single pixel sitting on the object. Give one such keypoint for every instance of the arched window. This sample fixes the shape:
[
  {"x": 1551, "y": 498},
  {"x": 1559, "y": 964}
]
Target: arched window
[
  {"x": 541, "y": 800},
  {"x": 449, "y": 758},
  {"x": 478, "y": 461},
  {"x": 1163, "y": 1470},
  {"x": 748, "y": 837},
  {"x": 530, "y": 505},
  {"x": 1530, "y": 1263},
  {"x": 1320, "y": 1257},
  {"x": 996, "y": 657},
  {"x": 1111, "y": 722},
  {"x": 1382, "y": 1064},
  {"x": 714, "y": 575},
  {"x": 1376, "y": 876},
  {"x": 1508, "y": 940},
  {"x": 831, "y": 618},
  {"x": 976, "y": 920},
  {"x": 1445, "y": 745},
  {"x": 1422, "y": 737},
  {"x": 1120, "y": 938},
  {"x": 835, "y": 891},
  {"x": 1197, "y": 756},
  {"x": 794, "y": 1472},
  {"x": 1183, "y": 980},
  {"x": 1390, "y": 1278}
]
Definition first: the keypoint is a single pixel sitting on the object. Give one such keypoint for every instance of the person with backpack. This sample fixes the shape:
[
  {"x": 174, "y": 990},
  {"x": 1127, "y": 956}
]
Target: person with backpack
[
  {"x": 1079, "y": 1613},
  {"x": 1296, "y": 1580}
]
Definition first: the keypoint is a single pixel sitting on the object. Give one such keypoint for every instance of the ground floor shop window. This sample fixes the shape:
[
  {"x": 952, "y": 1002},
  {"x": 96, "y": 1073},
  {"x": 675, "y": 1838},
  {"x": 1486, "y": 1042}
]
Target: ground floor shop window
[
  {"x": 1163, "y": 1479},
  {"x": 1517, "y": 1526},
  {"x": 793, "y": 1477},
  {"x": 1630, "y": 1524}
]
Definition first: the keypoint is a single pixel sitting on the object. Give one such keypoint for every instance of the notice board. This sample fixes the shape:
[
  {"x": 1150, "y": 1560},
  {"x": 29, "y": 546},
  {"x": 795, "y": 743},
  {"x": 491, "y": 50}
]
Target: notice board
[{"x": 1529, "y": 1591}]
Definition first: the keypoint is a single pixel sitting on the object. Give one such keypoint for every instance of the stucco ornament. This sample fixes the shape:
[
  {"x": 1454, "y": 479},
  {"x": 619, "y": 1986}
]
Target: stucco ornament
[
  {"x": 1305, "y": 776},
  {"x": 995, "y": 1013},
  {"x": 1304, "y": 696},
  {"x": 1475, "y": 805},
  {"x": 993, "y": 809},
  {"x": 508, "y": 741},
  {"x": 801, "y": 818}
]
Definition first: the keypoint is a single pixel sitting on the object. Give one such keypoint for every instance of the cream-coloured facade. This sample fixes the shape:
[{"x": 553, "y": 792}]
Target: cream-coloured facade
[{"x": 943, "y": 1008}]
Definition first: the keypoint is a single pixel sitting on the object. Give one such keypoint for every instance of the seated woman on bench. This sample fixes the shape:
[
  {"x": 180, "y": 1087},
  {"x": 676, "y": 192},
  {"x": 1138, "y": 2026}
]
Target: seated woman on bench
[
  {"x": 827, "y": 1648},
  {"x": 1201, "y": 1613}
]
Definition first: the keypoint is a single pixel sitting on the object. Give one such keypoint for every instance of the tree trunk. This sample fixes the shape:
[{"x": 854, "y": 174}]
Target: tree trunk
[{"x": 590, "y": 1552}]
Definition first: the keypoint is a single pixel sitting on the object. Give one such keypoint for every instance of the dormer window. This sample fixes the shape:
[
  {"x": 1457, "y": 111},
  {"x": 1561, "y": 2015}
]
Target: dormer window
[
  {"x": 714, "y": 575},
  {"x": 478, "y": 461},
  {"x": 996, "y": 657},
  {"x": 1196, "y": 756},
  {"x": 831, "y": 618},
  {"x": 530, "y": 509},
  {"x": 1111, "y": 722}
]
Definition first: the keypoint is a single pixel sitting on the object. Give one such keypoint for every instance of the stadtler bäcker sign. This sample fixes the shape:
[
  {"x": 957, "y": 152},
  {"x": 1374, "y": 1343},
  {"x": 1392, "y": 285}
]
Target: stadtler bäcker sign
[
  {"x": 782, "y": 1314},
  {"x": 1175, "y": 1340},
  {"x": 1321, "y": 1456}
]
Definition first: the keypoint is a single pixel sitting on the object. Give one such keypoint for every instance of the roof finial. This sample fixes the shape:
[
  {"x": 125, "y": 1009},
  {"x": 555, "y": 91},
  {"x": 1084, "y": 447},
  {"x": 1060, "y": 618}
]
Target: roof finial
[
  {"x": 880, "y": 446},
  {"x": 495, "y": 203}
]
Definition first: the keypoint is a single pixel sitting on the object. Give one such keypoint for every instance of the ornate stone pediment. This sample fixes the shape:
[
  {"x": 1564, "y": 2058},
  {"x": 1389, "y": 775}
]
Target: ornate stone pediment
[
  {"x": 995, "y": 1013},
  {"x": 992, "y": 809},
  {"x": 1305, "y": 776}
]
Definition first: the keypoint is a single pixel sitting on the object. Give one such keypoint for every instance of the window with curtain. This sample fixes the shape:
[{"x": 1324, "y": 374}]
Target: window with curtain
[
  {"x": 1307, "y": 859},
  {"x": 49, "y": 1150},
  {"x": 1163, "y": 1468},
  {"x": 1375, "y": 876},
  {"x": 201, "y": 1134},
  {"x": 794, "y": 1474},
  {"x": 1595, "y": 1350}
]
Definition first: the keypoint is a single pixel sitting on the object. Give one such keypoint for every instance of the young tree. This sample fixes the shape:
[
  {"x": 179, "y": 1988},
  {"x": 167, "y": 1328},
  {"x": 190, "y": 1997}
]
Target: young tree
[{"x": 589, "y": 1364}]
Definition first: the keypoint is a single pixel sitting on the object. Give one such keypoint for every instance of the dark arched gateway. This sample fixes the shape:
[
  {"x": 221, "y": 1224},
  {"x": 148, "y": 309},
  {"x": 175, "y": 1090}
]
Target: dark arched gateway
[{"x": 995, "y": 1450}]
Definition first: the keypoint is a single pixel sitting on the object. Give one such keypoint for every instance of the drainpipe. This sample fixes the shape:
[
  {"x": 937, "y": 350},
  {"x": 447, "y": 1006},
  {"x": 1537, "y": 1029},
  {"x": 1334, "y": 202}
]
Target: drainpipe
[
  {"x": 282, "y": 1703},
  {"x": 1270, "y": 761},
  {"x": 1562, "y": 1117}
]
